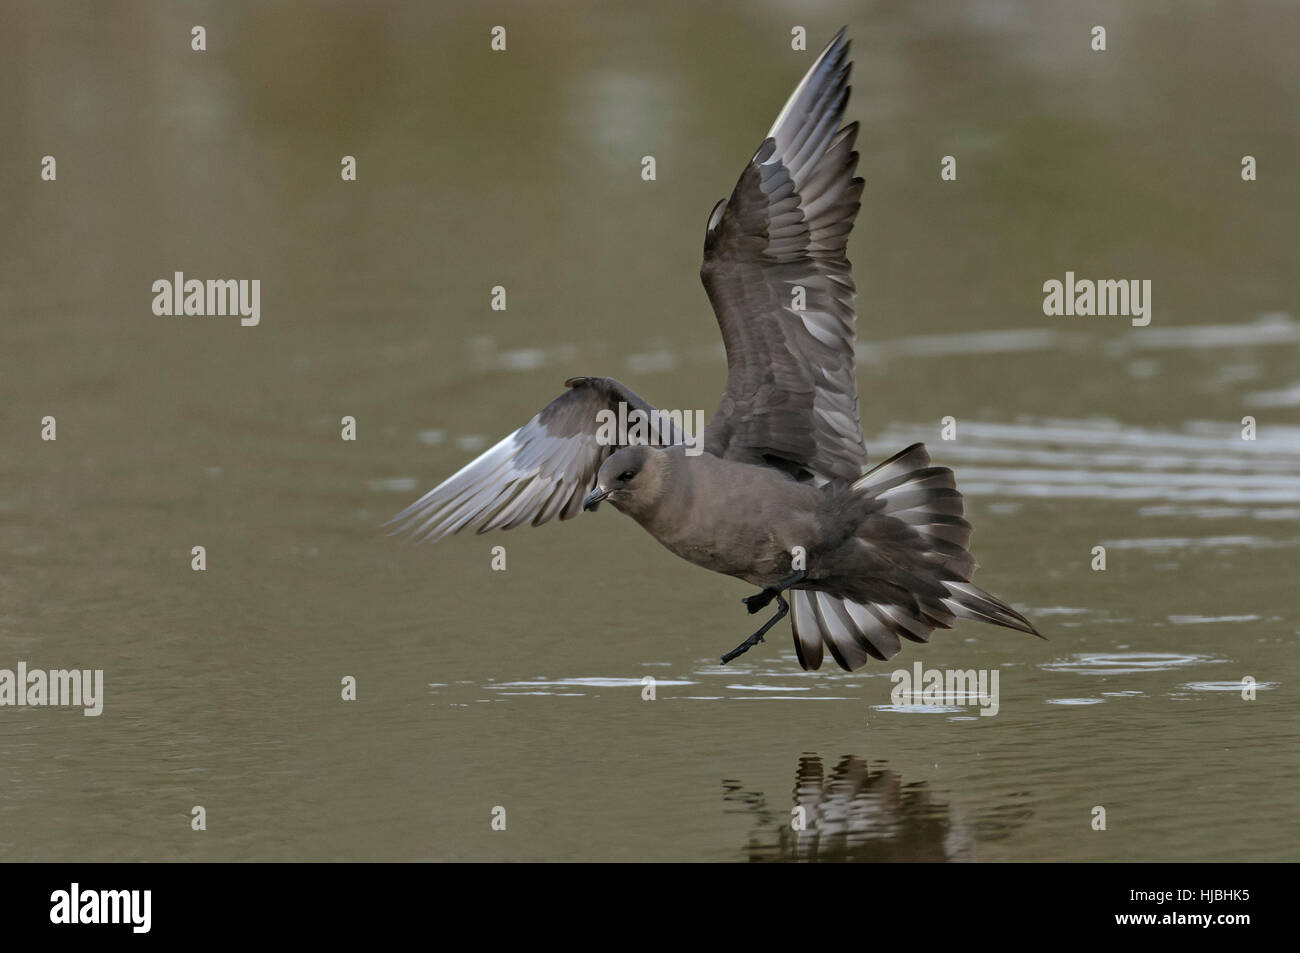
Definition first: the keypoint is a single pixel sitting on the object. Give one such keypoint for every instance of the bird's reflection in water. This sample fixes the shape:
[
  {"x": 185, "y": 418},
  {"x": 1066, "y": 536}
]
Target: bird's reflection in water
[{"x": 864, "y": 815}]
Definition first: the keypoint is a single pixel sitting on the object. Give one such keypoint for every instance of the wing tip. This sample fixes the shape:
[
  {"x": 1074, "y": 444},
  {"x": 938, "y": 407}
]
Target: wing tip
[{"x": 839, "y": 40}]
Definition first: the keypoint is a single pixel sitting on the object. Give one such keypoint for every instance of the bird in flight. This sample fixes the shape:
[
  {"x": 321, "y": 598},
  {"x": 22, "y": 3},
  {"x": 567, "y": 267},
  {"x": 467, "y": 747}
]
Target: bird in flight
[{"x": 782, "y": 495}]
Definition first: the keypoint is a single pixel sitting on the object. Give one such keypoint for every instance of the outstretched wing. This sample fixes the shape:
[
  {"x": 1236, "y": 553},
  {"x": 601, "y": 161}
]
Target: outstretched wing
[
  {"x": 540, "y": 471},
  {"x": 776, "y": 273}
]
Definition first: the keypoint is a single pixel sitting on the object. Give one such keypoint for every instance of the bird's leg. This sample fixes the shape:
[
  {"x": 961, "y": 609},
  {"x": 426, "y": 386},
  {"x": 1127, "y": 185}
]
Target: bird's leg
[
  {"x": 782, "y": 608},
  {"x": 757, "y": 603}
]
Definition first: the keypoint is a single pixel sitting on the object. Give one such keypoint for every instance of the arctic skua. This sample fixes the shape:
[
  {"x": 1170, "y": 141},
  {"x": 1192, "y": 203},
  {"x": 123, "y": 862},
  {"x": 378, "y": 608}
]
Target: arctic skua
[{"x": 778, "y": 490}]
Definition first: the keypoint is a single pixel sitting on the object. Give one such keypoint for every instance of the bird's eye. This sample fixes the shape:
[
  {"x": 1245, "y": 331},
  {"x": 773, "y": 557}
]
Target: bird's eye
[{"x": 626, "y": 475}]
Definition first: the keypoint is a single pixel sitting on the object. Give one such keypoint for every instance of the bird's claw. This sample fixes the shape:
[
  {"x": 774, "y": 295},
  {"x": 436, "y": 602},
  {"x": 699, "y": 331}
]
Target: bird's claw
[{"x": 759, "y": 601}]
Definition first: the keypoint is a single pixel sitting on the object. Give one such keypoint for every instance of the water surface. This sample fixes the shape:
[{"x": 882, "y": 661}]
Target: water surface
[{"x": 524, "y": 688}]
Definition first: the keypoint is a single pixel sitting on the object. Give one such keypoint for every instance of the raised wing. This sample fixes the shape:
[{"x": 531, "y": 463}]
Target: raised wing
[
  {"x": 782, "y": 289},
  {"x": 540, "y": 471}
]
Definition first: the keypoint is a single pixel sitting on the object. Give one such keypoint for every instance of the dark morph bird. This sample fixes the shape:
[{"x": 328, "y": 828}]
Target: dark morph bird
[{"x": 782, "y": 495}]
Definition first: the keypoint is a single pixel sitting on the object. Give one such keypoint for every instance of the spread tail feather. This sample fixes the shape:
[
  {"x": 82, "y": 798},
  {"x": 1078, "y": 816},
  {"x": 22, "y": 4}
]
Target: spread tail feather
[{"x": 930, "y": 591}]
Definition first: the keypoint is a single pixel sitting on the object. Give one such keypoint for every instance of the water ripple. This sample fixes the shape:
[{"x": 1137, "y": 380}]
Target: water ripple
[{"x": 1126, "y": 663}]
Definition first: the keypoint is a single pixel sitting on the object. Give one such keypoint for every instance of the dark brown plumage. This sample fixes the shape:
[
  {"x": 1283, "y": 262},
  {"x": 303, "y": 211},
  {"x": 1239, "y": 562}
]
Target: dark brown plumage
[{"x": 781, "y": 497}]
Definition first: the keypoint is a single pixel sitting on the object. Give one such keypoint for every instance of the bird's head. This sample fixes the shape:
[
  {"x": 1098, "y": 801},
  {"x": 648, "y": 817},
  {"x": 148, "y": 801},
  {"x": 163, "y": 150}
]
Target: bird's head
[{"x": 631, "y": 479}]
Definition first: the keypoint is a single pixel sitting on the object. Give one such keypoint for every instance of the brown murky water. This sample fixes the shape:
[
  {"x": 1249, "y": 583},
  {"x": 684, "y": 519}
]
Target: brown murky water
[{"x": 523, "y": 688}]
